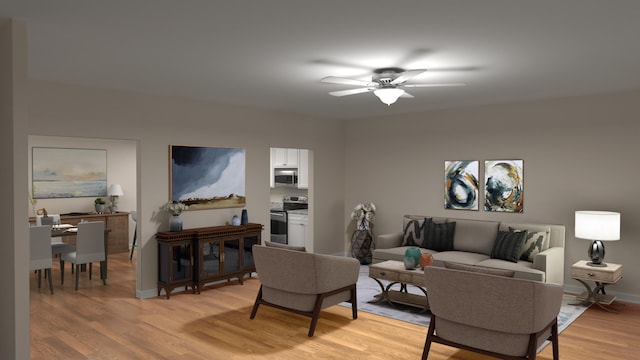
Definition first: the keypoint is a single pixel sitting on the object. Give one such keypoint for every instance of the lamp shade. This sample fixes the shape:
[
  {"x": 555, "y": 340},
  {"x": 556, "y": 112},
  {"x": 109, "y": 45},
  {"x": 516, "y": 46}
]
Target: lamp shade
[
  {"x": 115, "y": 190},
  {"x": 388, "y": 95},
  {"x": 597, "y": 225}
]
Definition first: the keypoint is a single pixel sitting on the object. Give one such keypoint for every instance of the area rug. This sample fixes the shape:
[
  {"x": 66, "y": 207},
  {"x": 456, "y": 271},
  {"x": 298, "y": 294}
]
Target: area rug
[{"x": 367, "y": 288}]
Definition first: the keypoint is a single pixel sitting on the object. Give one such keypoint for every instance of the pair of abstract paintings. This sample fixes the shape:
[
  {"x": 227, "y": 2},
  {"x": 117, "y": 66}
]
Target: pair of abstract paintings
[{"x": 503, "y": 185}]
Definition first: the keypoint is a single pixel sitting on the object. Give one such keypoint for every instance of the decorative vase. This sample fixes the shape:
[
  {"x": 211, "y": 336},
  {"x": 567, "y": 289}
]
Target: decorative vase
[
  {"x": 412, "y": 258},
  {"x": 426, "y": 260},
  {"x": 245, "y": 217},
  {"x": 235, "y": 220},
  {"x": 100, "y": 208},
  {"x": 175, "y": 223},
  {"x": 361, "y": 243}
]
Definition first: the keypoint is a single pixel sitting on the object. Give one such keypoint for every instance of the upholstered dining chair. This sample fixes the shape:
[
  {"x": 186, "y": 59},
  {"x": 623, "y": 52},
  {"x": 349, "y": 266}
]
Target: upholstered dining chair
[
  {"x": 40, "y": 252},
  {"x": 90, "y": 248},
  {"x": 490, "y": 314}
]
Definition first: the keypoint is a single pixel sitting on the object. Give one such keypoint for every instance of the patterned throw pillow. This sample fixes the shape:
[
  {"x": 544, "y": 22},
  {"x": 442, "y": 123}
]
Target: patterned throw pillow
[
  {"x": 508, "y": 245},
  {"x": 533, "y": 244},
  {"x": 439, "y": 237},
  {"x": 413, "y": 232}
]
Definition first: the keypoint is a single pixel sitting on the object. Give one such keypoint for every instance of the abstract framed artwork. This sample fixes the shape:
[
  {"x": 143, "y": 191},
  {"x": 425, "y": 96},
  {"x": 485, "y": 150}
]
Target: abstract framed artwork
[
  {"x": 461, "y": 185},
  {"x": 504, "y": 185},
  {"x": 207, "y": 177},
  {"x": 68, "y": 173}
]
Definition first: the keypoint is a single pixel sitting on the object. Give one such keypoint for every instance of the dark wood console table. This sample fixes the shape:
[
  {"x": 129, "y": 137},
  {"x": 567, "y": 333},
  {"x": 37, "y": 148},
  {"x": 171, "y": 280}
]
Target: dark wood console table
[{"x": 195, "y": 257}]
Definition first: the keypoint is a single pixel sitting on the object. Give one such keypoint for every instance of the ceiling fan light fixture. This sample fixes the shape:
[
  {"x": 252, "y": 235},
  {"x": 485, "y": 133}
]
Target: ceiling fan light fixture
[{"x": 388, "y": 95}]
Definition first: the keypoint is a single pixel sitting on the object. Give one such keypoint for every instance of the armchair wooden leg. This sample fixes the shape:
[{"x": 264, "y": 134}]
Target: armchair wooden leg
[
  {"x": 554, "y": 340},
  {"x": 315, "y": 315},
  {"x": 354, "y": 303},
  {"x": 39, "y": 273},
  {"x": 77, "y": 275},
  {"x": 256, "y": 304},
  {"x": 427, "y": 343},
  {"x": 90, "y": 270},
  {"x": 62, "y": 271},
  {"x": 48, "y": 271}
]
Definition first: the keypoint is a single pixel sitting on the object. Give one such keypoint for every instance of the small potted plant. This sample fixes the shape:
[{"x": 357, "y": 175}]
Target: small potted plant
[{"x": 100, "y": 204}]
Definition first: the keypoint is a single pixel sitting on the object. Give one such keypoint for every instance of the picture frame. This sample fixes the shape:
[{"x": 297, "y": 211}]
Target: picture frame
[
  {"x": 461, "y": 185},
  {"x": 68, "y": 172},
  {"x": 207, "y": 177},
  {"x": 504, "y": 185}
]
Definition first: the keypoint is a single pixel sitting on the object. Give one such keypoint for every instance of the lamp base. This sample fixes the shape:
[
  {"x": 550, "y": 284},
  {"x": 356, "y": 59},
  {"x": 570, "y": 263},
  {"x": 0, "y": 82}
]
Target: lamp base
[
  {"x": 596, "y": 253},
  {"x": 597, "y": 265}
]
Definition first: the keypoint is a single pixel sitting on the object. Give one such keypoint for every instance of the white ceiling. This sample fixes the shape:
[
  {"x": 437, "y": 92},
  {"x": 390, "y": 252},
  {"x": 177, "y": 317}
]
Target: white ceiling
[{"x": 271, "y": 54}]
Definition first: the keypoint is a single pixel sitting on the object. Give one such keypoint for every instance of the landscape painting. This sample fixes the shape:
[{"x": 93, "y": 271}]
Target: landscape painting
[
  {"x": 504, "y": 186},
  {"x": 68, "y": 173},
  {"x": 207, "y": 177},
  {"x": 461, "y": 185}
]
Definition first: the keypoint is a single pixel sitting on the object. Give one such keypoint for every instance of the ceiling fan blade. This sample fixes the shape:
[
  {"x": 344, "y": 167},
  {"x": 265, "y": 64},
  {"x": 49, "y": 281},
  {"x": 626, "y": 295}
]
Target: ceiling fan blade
[
  {"x": 407, "y": 95},
  {"x": 351, "y": 91},
  {"x": 407, "y": 75},
  {"x": 345, "y": 81},
  {"x": 432, "y": 85}
]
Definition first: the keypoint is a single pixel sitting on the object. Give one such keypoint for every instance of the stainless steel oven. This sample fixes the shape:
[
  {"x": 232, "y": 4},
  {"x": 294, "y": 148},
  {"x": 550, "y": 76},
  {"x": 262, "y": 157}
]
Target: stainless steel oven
[{"x": 279, "y": 217}]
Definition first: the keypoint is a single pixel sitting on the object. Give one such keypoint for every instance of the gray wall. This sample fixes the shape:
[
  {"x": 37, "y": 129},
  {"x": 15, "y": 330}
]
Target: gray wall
[{"x": 579, "y": 154}]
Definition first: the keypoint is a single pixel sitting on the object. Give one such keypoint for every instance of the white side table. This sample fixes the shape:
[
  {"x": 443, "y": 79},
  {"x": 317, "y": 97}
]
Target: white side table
[{"x": 602, "y": 276}]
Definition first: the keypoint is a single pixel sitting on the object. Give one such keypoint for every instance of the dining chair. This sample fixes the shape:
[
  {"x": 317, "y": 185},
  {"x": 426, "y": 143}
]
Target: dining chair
[
  {"x": 57, "y": 245},
  {"x": 134, "y": 217},
  {"x": 90, "y": 248},
  {"x": 40, "y": 252}
]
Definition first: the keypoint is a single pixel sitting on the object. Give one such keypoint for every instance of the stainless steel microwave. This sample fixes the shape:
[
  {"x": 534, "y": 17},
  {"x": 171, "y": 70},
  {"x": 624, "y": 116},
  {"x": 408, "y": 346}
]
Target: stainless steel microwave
[{"x": 285, "y": 177}]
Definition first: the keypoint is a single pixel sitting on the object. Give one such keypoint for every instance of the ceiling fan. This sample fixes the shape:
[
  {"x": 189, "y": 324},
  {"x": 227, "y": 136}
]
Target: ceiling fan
[{"x": 386, "y": 83}]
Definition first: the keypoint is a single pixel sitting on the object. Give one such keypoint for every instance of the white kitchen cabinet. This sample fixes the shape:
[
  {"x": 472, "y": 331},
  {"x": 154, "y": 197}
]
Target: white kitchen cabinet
[
  {"x": 284, "y": 158},
  {"x": 298, "y": 229},
  {"x": 303, "y": 169}
]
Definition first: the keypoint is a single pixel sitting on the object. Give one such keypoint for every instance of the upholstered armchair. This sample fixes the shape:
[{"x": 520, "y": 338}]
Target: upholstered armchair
[
  {"x": 304, "y": 283},
  {"x": 490, "y": 314}
]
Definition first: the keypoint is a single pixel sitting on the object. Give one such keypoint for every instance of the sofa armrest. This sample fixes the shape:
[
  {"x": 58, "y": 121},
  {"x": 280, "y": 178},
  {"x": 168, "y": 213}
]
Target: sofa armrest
[
  {"x": 388, "y": 241},
  {"x": 551, "y": 261}
]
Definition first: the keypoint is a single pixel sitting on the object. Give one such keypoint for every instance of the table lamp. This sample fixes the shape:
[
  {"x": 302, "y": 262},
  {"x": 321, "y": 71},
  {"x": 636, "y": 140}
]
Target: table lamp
[
  {"x": 114, "y": 191},
  {"x": 598, "y": 226}
]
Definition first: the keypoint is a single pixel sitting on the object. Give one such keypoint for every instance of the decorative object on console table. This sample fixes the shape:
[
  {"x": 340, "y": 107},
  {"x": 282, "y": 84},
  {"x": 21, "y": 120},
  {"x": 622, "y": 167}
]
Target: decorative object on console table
[
  {"x": 114, "y": 191},
  {"x": 175, "y": 209},
  {"x": 597, "y": 226},
  {"x": 245, "y": 217},
  {"x": 99, "y": 205},
  {"x": 362, "y": 238}
]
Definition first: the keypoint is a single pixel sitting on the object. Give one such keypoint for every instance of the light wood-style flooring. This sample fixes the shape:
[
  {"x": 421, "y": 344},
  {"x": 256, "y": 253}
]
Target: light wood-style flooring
[{"x": 108, "y": 322}]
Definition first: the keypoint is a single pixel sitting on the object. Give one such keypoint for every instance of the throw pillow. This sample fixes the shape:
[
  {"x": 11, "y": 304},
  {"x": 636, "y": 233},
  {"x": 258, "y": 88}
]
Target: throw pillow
[
  {"x": 532, "y": 244},
  {"x": 508, "y": 245},
  {"x": 479, "y": 269},
  {"x": 439, "y": 237},
  {"x": 413, "y": 232},
  {"x": 284, "y": 246}
]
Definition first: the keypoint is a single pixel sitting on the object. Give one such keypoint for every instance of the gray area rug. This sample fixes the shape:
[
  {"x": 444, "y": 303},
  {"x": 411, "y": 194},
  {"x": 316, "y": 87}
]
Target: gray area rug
[{"x": 367, "y": 288}]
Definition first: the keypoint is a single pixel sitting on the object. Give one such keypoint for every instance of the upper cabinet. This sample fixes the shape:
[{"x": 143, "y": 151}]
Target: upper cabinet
[{"x": 284, "y": 158}]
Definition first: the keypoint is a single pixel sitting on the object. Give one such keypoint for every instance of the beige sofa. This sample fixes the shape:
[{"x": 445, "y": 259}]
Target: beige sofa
[
  {"x": 304, "y": 283},
  {"x": 473, "y": 244},
  {"x": 467, "y": 316}
]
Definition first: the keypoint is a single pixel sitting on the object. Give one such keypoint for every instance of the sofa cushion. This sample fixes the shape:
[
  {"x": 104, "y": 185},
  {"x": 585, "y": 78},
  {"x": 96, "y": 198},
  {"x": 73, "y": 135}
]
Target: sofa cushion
[
  {"x": 479, "y": 269},
  {"x": 460, "y": 257},
  {"x": 531, "y": 228},
  {"x": 438, "y": 237},
  {"x": 413, "y": 232},
  {"x": 284, "y": 246},
  {"x": 476, "y": 236},
  {"x": 523, "y": 269},
  {"x": 508, "y": 245}
]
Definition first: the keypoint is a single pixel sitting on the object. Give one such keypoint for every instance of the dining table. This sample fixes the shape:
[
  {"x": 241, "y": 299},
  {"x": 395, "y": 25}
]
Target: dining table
[{"x": 59, "y": 231}]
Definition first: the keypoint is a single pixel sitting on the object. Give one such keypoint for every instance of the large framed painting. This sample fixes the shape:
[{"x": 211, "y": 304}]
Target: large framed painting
[
  {"x": 207, "y": 177},
  {"x": 461, "y": 185},
  {"x": 504, "y": 185},
  {"x": 68, "y": 173}
]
